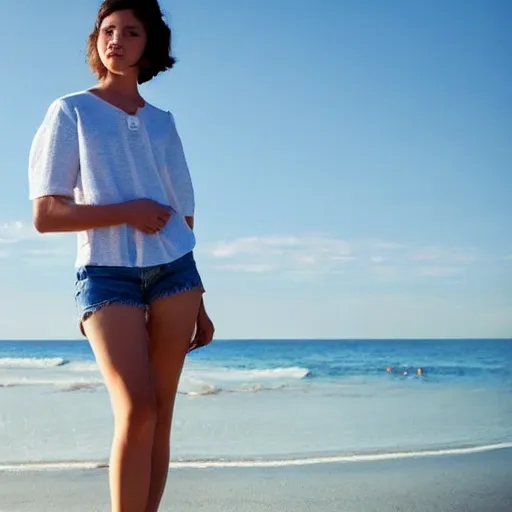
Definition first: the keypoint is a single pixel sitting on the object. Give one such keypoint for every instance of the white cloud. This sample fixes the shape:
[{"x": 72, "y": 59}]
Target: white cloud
[
  {"x": 278, "y": 245},
  {"x": 254, "y": 245},
  {"x": 20, "y": 240},
  {"x": 17, "y": 231},
  {"x": 313, "y": 255},
  {"x": 46, "y": 252},
  {"x": 249, "y": 267},
  {"x": 379, "y": 244},
  {"x": 447, "y": 256},
  {"x": 433, "y": 271},
  {"x": 12, "y": 232}
]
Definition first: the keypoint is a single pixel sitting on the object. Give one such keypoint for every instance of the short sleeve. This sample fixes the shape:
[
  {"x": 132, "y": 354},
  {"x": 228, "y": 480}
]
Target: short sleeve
[
  {"x": 181, "y": 180},
  {"x": 54, "y": 156}
]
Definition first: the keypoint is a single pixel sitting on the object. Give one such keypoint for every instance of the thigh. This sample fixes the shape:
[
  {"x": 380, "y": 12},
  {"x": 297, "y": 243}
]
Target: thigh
[
  {"x": 99, "y": 286},
  {"x": 174, "y": 278},
  {"x": 171, "y": 324},
  {"x": 118, "y": 337}
]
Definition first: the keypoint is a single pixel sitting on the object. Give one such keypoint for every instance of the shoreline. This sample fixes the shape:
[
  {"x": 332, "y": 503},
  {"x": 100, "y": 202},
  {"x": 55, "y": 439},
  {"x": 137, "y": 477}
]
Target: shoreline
[
  {"x": 43, "y": 466},
  {"x": 474, "y": 482}
]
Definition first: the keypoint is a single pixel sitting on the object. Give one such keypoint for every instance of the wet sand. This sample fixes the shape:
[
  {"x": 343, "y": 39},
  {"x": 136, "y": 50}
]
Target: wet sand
[{"x": 480, "y": 482}]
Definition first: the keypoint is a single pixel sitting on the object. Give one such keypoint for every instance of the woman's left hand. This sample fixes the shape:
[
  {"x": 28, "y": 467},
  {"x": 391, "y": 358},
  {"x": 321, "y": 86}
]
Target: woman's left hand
[{"x": 204, "y": 330}]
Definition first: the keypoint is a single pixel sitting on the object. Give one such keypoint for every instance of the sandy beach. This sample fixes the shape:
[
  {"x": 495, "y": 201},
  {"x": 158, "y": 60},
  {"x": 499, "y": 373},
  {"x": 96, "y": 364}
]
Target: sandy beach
[{"x": 478, "y": 482}]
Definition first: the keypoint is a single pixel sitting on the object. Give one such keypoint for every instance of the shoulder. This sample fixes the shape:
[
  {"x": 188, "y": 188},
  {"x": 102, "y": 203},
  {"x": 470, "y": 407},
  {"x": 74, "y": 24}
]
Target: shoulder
[
  {"x": 162, "y": 118},
  {"x": 68, "y": 105},
  {"x": 78, "y": 100},
  {"x": 159, "y": 113}
]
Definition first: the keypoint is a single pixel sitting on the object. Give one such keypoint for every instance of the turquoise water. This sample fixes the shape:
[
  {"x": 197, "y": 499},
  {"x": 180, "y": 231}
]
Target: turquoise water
[{"x": 269, "y": 400}]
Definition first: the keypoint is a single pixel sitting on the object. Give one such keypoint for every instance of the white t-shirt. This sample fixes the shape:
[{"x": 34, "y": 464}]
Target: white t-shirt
[{"x": 91, "y": 150}]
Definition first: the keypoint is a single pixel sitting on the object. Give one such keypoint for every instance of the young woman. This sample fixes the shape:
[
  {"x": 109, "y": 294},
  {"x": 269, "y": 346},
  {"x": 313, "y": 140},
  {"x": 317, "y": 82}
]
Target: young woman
[{"x": 108, "y": 165}]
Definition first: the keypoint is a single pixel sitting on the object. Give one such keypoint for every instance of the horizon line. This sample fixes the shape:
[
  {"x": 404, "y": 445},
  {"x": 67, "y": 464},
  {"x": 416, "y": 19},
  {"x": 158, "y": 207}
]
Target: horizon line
[{"x": 355, "y": 338}]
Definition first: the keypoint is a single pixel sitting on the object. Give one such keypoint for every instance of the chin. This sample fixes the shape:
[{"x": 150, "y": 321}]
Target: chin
[{"x": 119, "y": 68}]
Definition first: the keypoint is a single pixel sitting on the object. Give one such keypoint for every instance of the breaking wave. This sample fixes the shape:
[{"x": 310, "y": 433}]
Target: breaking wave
[
  {"x": 63, "y": 385},
  {"x": 228, "y": 374},
  {"x": 32, "y": 362}
]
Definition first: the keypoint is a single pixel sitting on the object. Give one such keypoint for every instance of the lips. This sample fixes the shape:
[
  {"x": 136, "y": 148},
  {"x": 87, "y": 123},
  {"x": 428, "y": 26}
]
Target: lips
[{"x": 115, "y": 52}]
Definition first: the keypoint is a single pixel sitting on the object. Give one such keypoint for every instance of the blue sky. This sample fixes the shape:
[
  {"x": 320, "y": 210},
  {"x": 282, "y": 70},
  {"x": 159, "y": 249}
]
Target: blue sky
[{"x": 352, "y": 163}]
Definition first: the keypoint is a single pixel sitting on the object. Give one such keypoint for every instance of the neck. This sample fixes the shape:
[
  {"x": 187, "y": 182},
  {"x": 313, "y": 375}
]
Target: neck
[{"x": 126, "y": 86}]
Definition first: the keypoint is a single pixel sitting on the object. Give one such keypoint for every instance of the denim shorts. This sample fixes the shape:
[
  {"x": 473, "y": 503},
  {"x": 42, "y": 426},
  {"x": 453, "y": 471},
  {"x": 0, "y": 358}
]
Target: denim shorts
[{"x": 99, "y": 286}]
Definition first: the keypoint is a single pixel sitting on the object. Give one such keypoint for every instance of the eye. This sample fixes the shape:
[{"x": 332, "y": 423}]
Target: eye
[
  {"x": 108, "y": 31},
  {"x": 134, "y": 34}
]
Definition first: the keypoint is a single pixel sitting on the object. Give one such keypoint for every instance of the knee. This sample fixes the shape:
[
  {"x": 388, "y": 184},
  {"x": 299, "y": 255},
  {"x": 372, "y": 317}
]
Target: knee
[
  {"x": 163, "y": 414},
  {"x": 138, "y": 418},
  {"x": 164, "y": 409}
]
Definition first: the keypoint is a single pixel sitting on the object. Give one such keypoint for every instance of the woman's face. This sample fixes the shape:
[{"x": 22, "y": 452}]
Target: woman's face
[{"x": 121, "y": 42}]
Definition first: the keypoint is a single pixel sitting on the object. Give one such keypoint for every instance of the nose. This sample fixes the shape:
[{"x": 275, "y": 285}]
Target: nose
[{"x": 116, "y": 38}]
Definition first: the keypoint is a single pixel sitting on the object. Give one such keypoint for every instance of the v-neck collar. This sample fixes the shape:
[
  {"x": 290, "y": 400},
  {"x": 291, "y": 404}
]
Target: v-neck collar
[{"x": 119, "y": 109}]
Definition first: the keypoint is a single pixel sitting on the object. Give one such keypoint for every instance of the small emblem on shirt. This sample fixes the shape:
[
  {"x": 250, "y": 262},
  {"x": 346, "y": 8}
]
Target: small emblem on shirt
[{"x": 133, "y": 122}]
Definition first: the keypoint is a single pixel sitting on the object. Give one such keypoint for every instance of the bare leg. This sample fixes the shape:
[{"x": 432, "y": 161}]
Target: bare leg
[
  {"x": 171, "y": 325},
  {"x": 118, "y": 337}
]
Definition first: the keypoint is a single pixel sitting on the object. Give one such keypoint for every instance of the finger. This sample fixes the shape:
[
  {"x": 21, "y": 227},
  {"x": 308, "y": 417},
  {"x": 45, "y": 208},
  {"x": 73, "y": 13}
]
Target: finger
[
  {"x": 198, "y": 337},
  {"x": 200, "y": 340},
  {"x": 151, "y": 229},
  {"x": 205, "y": 338},
  {"x": 192, "y": 347},
  {"x": 194, "y": 343},
  {"x": 159, "y": 223}
]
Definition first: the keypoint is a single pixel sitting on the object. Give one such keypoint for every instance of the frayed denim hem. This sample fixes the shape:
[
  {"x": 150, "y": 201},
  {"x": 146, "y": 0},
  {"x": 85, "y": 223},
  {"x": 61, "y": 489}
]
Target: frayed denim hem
[
  {"x": 94, "y": 309},
  {"x": 87, "y": 312},
  {"x": 178, "y": 290}
]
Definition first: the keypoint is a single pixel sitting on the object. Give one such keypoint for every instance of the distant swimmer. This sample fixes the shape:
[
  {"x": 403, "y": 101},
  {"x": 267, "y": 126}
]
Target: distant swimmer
[
  {"x": 389, "y": 369},
  {"x": 419, "y": 371}
]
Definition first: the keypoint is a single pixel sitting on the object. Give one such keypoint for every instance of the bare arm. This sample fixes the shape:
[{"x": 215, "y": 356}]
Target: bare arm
[
  {"x": 60, "y": 214},
  {"x": 205, "y": 328}
]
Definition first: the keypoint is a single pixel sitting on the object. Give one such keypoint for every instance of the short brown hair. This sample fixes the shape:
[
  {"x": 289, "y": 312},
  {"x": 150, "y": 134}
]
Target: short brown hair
[{"x": 157, "y": 55}]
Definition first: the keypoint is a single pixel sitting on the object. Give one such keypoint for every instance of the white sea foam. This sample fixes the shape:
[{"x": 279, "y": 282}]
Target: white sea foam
[
  {"x": 82, "y": 366},
  {"x": 304, "y": 461},
  {"x": 188, "y": 387},
  {"x": 202, "y": 391},
  {"x": 293, "y": 372},
  {"x": 212, "y": 373},
  {"x": 207, "y": 389},
  {"x": 32, "y": 362},
  {"x": 196, "y": 380},
  {"x": 199, "y": 381},
  {"x": 64, "y": 385}
]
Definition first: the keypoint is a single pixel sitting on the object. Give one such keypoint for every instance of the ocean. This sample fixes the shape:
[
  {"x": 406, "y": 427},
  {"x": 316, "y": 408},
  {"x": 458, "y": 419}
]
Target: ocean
[{"x": 264, "y": 402}]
